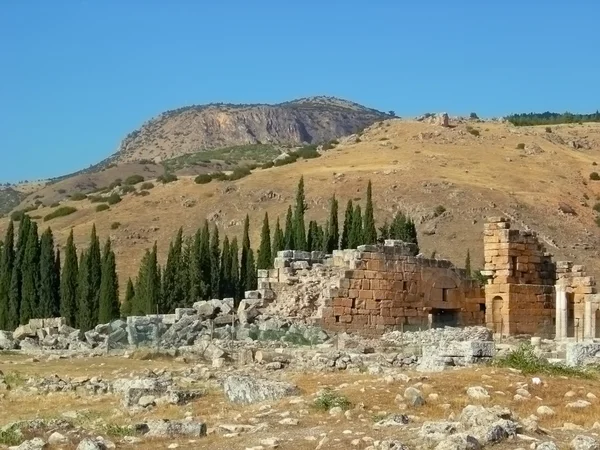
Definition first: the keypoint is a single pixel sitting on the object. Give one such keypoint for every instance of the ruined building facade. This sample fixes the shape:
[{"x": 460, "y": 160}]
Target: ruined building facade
[{"x": 388, "y": 287}]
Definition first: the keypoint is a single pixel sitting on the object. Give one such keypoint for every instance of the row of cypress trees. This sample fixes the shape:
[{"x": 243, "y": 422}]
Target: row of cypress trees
[
  {"x": 33, "y": 284},
  {"x": 198, "y": 267}
]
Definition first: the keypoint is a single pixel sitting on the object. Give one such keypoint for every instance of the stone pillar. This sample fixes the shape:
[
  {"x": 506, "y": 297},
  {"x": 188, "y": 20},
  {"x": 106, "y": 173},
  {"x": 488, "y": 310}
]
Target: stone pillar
[
  {"x": 561, "y": 312},
  {"x": 587, "y": 320}
]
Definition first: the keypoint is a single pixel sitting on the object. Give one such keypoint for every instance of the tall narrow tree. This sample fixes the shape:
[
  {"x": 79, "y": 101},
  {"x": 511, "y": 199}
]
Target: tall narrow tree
[
  {"x": 8, "y": 260},
  {"x": 109, "y": 287},
  {"x": 251, "y": 276},
  {"x": 205, "y": 262},
  {"x": 278, "y": 241},
  {"x": 265, "y": 259},
  {"x": 195, "y": 272},
  {"x": 289, "y": 231},
  {"x": 95, "y": 276},
  {"x": 215, "y": 262},
  {"x": 148, "y": 289},
  {"x": 356, "y": 233},
  {"x": 31, "y": 277},
  {"x": 127, "y": 305},
  {"x": 312, "y": 238},
  {"x": 299, "y": 210},
  {"x": 85, "y": 316},
  {"x": 348, "y": 219},
  {"x": 225, "y": 266},
  {"x": 68, "y": 284},
  {"x": 384, "y": 231},
  {"x": 184, "y": 274},
  {"x": 369, "y": 230},
  {"x": 468, "y": 264},
  {"x": 244, "y": 258},
  {"x": 14, "y": 299},
  {"x": 333, "y": 230},
  {"x": 172, "y": 289},
  {"x": 49, "y": 287},
  {"x": 235, "y": 271}
]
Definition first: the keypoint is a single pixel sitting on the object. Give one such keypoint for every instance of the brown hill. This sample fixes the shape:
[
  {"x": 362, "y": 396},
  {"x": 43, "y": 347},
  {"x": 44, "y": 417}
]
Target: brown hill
[{"x": 417, "y": 167}]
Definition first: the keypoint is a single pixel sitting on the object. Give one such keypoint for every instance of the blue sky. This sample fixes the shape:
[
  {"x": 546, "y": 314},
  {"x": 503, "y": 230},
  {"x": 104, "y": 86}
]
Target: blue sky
[{"x": 77, "y": 76}]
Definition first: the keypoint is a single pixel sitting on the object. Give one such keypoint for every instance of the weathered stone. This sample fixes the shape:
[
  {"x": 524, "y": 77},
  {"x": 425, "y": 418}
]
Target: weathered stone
[
  {"x": 6, "y": 340},
  {"x": 477, "y": 393},
  {"x": 582, "y": 442},
  {"x": 22, "y": 332},
  {"x": 414, "y": 397},
  {"x": 171, "y": 428},
  {"x": 132, "y": 390},
  {"x": 438, "y": 431},
  {"x": 245, "y": 389},
  {"x": 57, "y": 439},
  {"x": 32, "y": 444},
  {"x": 89, "y": 444}
]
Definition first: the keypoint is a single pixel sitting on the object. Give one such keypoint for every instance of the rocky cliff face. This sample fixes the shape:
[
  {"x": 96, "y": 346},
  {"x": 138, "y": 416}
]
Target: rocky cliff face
[{"x": 196, "y": 128}]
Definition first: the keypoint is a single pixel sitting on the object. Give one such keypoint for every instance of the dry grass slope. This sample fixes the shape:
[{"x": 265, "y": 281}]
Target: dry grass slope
[{"x": 414, "y": 166}]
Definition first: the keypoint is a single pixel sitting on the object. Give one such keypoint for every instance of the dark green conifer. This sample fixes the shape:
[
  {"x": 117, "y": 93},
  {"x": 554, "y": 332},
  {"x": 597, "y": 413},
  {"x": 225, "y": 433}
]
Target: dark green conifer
[
  {"x": 85, "y": 318},
  {"x": 195, "y": 272},
  {"x": 172, "y": 289},
  {"x": 244, "y": 258},
  {"x": 348, "y": 219},
  {"x": 289, "y": 231},
  {"x": 299, "y": 210},
  {"x": 369, "y": 230},
  {"x": 278, "y": 241},
  {"x": 356, "y": 233},
  {"x": 205, "y": 262},
  {"x": 109, "y": 287},
  {"x": 49, "y": 287},
  {"x": 251, "y": 275},
  {"x": 30, "y": 277},
  {"x": 127, "y": 305},
  {"x": 468, "y": 264},
  {"x": 225, "y": 266},
  {"x": 6, "y": 268},
  {"x": 95, "y": 276},
  {"x": 265, "y": 259},
  {"x": 333, "y": 230},
  {"x": 235, "y": 271},
  {"x": 68, "y": 284},
  {"x": 215, "y": 263},
  {"x": 184, "y": 274}
]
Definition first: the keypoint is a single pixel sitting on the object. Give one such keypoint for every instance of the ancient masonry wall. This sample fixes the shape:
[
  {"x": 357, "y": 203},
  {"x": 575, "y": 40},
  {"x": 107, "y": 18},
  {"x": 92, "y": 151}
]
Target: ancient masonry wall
[{"x": 378, "y": 288}]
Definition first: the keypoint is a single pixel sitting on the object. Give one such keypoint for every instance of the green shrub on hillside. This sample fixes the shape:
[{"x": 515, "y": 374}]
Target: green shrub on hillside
[
  {"x": 147, "y": 185},
  {"x": 127, "y": 189},
  {"x": 203, "y": 178},
  {"x": 113, "y": 199},
  {"x": 102, "y": 207},
  {"x": 167, "y": 178},
  {"x": 115, "y": 225},
  {"x": 60, "y": 212},
  {"x": 521, "y": 146},
  {"x": 134, "y": 179},
  {"x": 267, "y": 165},
  {"x": 78, "y": 196},
  {"x": 239, "y": 172},
  {"x": 17, "y": 216},
  {"x": 473, "y": 131},
  {"x": 118, "y": 182},
  {"x": 594, "y": 176}
]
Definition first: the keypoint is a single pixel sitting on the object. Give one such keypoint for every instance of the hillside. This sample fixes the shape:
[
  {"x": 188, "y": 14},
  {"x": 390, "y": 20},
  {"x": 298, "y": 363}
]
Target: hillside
[
  {"x": 414, "y": 166},
  {"x": 196, "y": 128}
]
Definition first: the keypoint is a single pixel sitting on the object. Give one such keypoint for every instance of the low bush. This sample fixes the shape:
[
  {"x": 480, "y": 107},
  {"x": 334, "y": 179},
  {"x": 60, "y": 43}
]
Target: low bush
[
  {"x": 113, "y": 199},
  {"x": 594, "y": 176},
  {"x": 115, "y": 225},
  {"x": 167, "y": 178},
  {"x": 17, "y": 216},
  {"x": 77, "y": 196},
  {"x": 146, "y": 186},
  {"x": 54, "y": 205},
  {"x": 439, "y": 210},
  {"x": 62, "y": 191},
  {"x": 291, "y": 158},
  {"x": 11, "y": 436},
  {"x": 521, "y": 146},
  {"x": 134, "y": 179},
  {"x": 596, "y": 207},
  {"x": 60, "y": 212},
  {"x": 128, "y": 188},
  {"x": 118, "y": 182},
  {"x": 220, "y": 176},
  {"x": 328, "y": 399},
  {"x": 528, "y": 362},
  {"x": 267, "y": 165},
  {"x": 473, "y": 131},
  {"x": 548, "y": 130},
  {"x": 239, "y": 172},
  {"x": 102, "y": 207},
  {"x": 203, "y": 178},
  {"x": 142, "y": 193},
  {"x": 307, "y": 152}
]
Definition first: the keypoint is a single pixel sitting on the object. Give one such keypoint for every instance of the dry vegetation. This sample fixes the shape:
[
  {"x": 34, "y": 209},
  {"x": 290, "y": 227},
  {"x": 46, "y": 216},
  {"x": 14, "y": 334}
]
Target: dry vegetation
[{"x": 414, "y": 166}]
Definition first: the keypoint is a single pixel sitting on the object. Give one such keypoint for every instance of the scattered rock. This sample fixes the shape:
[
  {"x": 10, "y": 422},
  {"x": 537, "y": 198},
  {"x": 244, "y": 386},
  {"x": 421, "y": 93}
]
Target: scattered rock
[
  {"x": 477, "y": 393},
  {"x": 582, "y": 442},
  {"x": 245, "y": 389}
]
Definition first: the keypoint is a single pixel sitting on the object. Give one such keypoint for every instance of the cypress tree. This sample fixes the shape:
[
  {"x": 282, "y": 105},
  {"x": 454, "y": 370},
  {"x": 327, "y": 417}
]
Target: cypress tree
[
  {"x": 172, "y": 289},
  {"x": 225, "y": 266},
  {"x": 184, "y": 274},
  {"x": 205, "y": 275},
  {"x": 348, "y": 217},
  {"x": 278, "y": 241},
  {"x": 384, "y": 231},
  {"x": 235, "y": 271},
  {"x": 57, "y": 272},
  {"x": 319, "y": 237},
  {"x": 265, "y": 259},
  {"x": 14, "y": 299},
  {"x": 468, "y": 264},
  {"x": 127, "y": 305},
  {"x": 289, "y": 231},
  {"x": 49, "y": 287},
  {"x": 68, "y": 284},
  {"x": 356, "y": 233},
  {"x": 147, "y": 292},
  {"x": 244, "y": 259},
  {"x": 251, "y": 275},
  {"x": 215, "y": 269},
  {"x": 333, "y": 230},
  {"x": 195, "y": 273},
  {"x": 299, "y": 210},
  {"x": 8, "y": 260},
  {"x": 369, "y": 230},
  {"x": 312, "y": 240},
  {"x": 85, "y": 318},
  {"x": 108, "y": 309},
  {"x": 30, "y": 277},
  {"x": 95, "y": 277}
]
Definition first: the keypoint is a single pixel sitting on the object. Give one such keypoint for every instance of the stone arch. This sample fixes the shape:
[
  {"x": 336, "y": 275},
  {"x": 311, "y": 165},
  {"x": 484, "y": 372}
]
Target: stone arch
[
  {"x": 498, "y": 322},
  {"x": 444, "y": 291}
]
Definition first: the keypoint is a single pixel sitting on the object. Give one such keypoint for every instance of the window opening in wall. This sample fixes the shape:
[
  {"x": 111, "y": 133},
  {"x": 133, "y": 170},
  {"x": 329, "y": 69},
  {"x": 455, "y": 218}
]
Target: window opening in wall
[
  {"x": 513, "y": 266},
  {"x": 444, "y": 295}
]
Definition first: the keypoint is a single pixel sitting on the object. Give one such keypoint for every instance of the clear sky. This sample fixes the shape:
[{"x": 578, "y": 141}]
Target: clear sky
[{"x": 77, "y": 75}]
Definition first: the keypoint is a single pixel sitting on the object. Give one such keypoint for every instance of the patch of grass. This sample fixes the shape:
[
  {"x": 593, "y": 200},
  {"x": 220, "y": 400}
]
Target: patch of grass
[
  {"x": 259, "y": 153},
  {"x": 17, "y": 216},
  {"x": 13, "y": 379},
  {"x": 203, "y": 178},
  {"x": 11, "y": 436},
  {"x": 147, "y": 186},
  {"x": 102, "y": 207},
  {"x": 167, "y": 178},
  {"x": 525, "y": 360},
  {"x": 307, "y": 152},
  {"x": 521, "y": 146},
  {"x": 127, "y": 189},
  {"x": 292, "y": 158},
  {"x": 60, "y": 212},
  {"x": 267, "y": 165},
  {"x": 118, "y": 182},
  {"x": 62, "y": 191},
  {"x": 142, "y": 193},
  {"x": 594, "y": 176},
  {"x": 113, "y": 199},
  {"x": 329, "y": 399},
  {"x": 473, "y": 131},
  {"x": 77, "y": 196},
  {"x": 97, "y": 199},
  {"x": 239, "y": 172},
  {"x": 115, "y": 225},
  {"x": 54, "y": 205},
  {"x": 134, "y": 179},
  {"x": 115, "y": 430}
]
